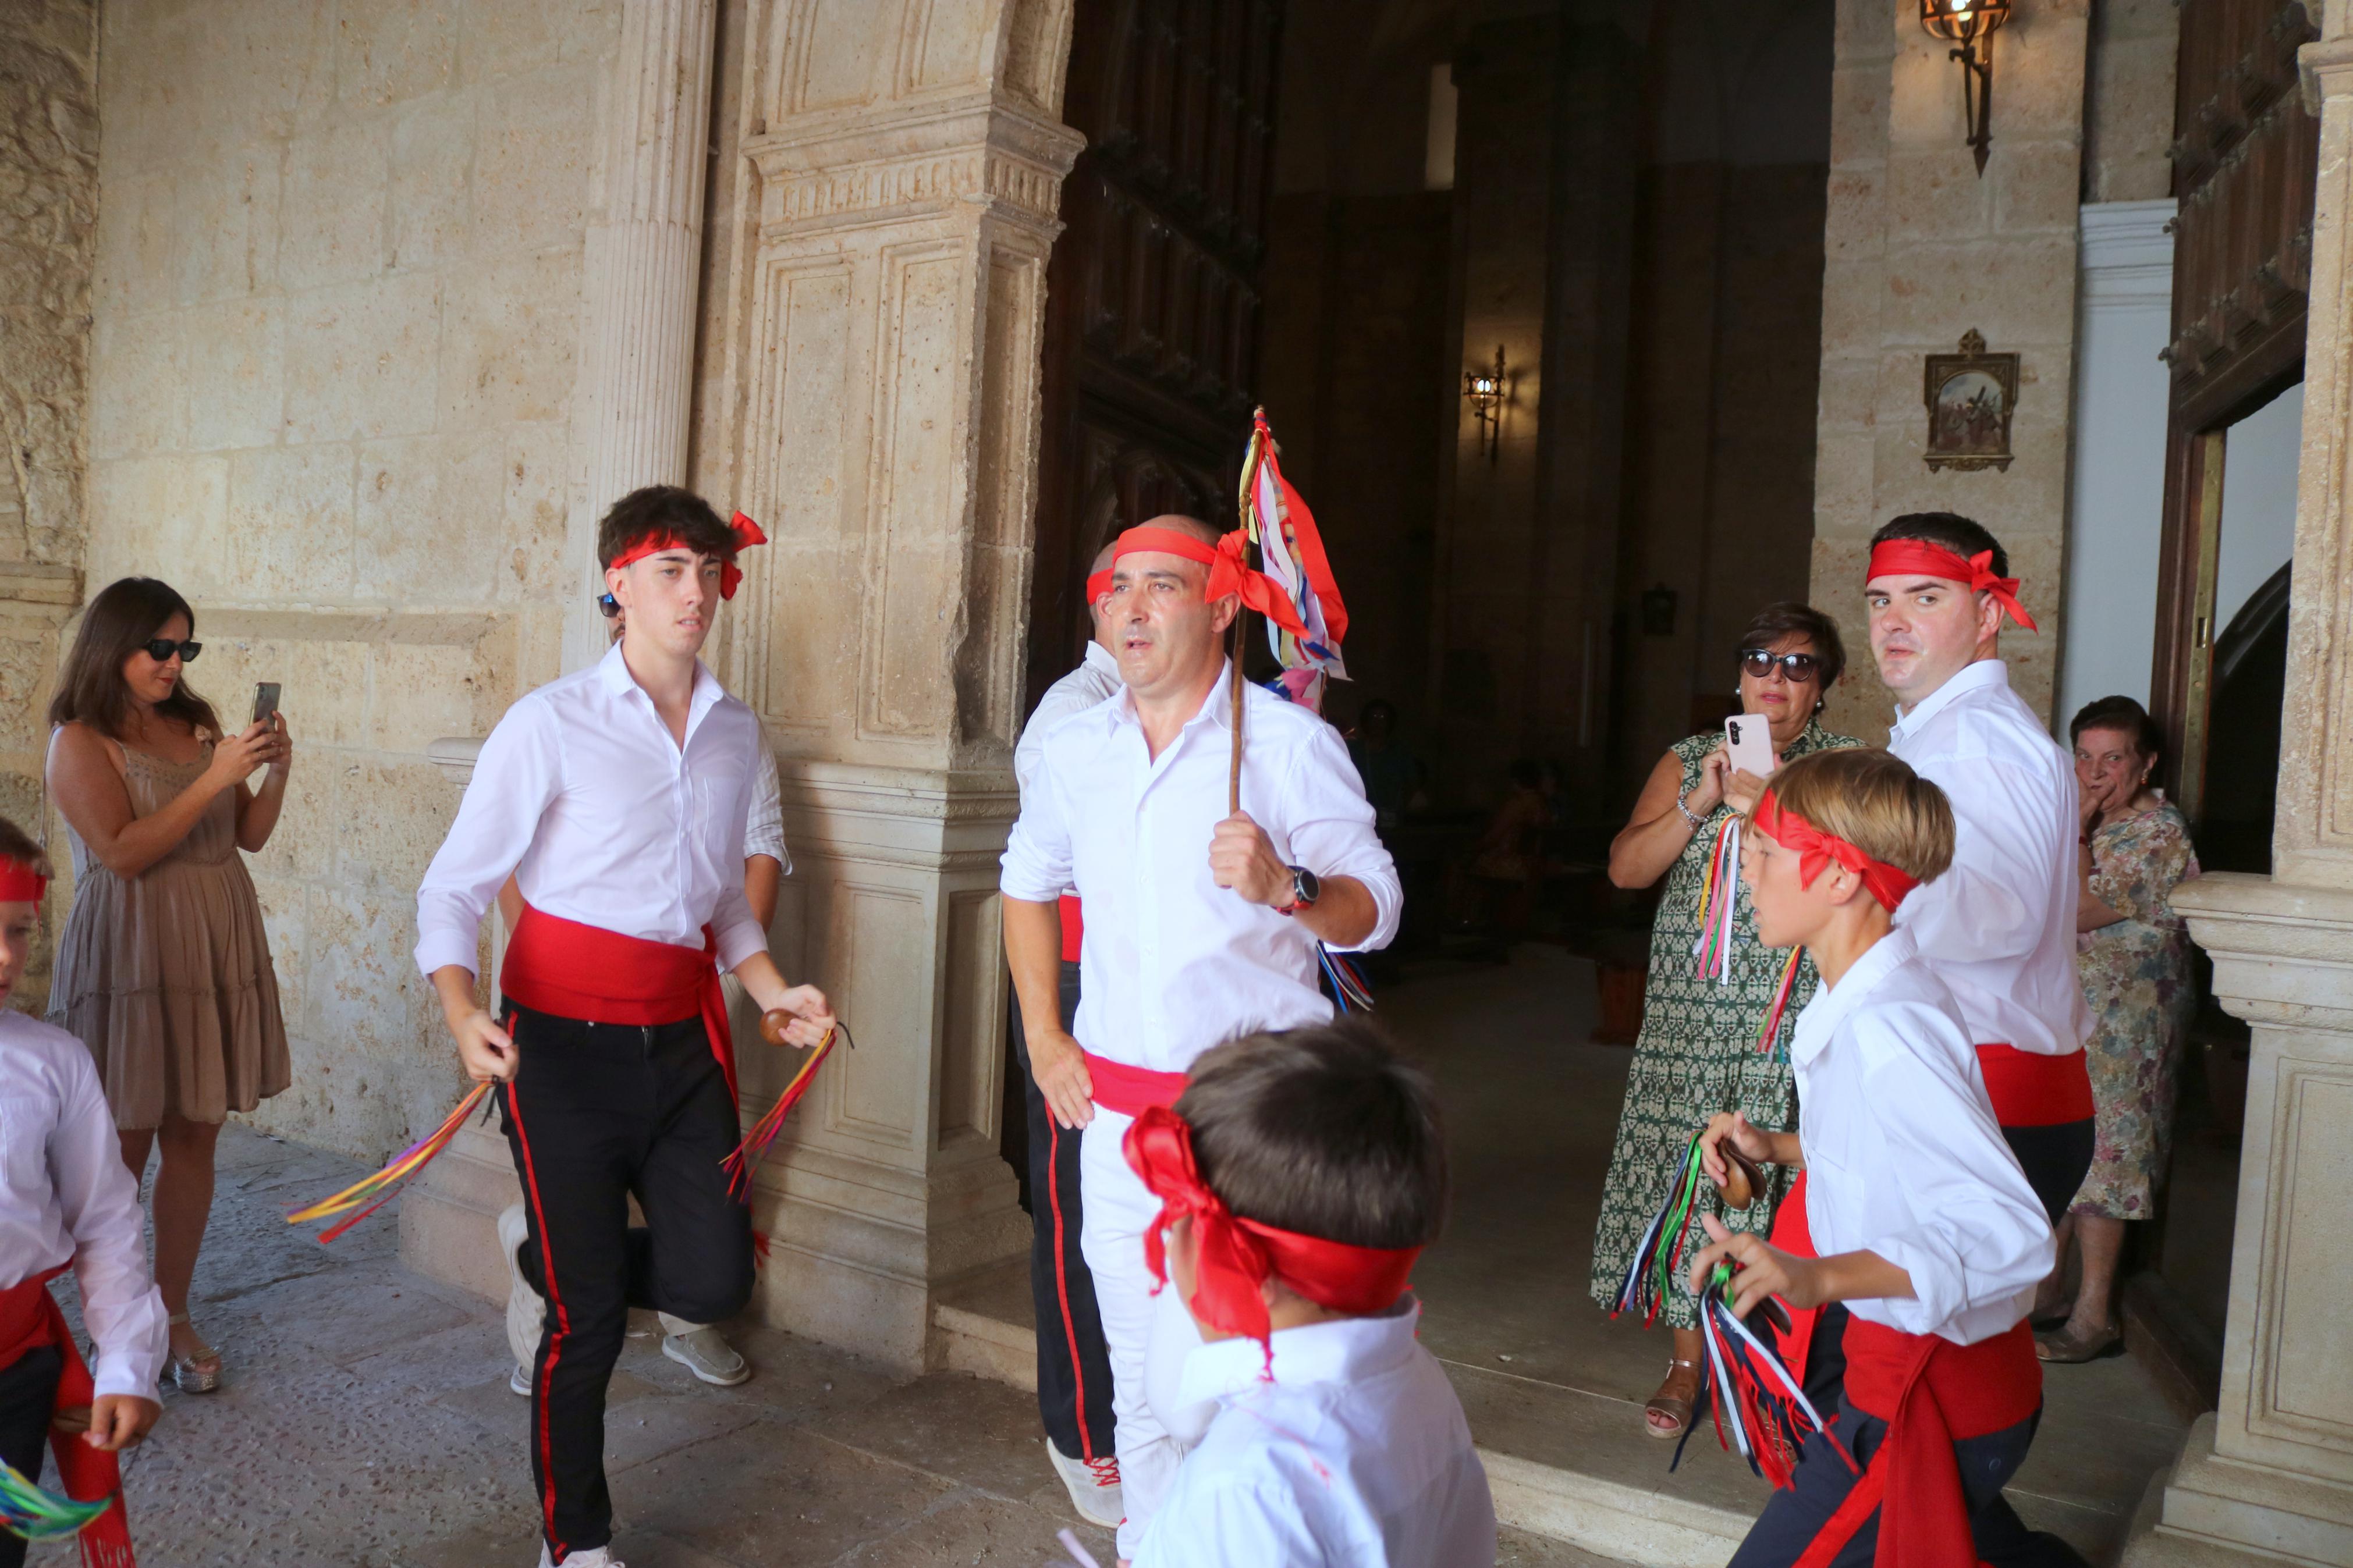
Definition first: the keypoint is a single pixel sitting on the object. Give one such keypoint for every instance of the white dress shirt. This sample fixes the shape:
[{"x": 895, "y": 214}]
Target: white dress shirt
[
  {"x": 1174, "y": 963},
  {"x": 1095, "y": 680},
  {"x": 2000, "y": 925},
  {"x": 602, "y": 818},
  {"x": 1356, "y": 1456},
  {"x": 1902, "y": 1155},
  {"x": 66, "y": 1196},
  {"x": 763, "y": 829}
]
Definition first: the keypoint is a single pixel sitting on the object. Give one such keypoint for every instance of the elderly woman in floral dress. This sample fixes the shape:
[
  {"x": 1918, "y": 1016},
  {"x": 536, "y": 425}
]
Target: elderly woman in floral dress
[{"x": 2133, "y": 955}]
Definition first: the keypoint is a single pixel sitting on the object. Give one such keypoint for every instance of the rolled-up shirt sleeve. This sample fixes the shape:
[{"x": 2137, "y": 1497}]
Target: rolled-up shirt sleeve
[
  {"x": 763, "y": 827},
  {"x": 100, "y": 1203},
  {"x": 1330, "y": 830},
  {"x": 517, "y": 775},
  {"x": 1979, "y": 1236},
  {"x": 1036, "y": 863}
]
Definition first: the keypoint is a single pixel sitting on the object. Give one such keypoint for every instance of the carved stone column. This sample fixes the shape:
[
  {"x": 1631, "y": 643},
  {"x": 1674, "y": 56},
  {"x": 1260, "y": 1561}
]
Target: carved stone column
[
  {"x": 901, "y": 164},
  {"x": 640, "y": 282},
  {"x": 2270, "y": 1474}
]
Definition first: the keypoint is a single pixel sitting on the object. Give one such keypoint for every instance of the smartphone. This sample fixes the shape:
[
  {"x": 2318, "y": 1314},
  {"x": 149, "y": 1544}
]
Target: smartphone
[
  {"x": 1749, "y": 739},
  {"x": 265, "y": 701}
]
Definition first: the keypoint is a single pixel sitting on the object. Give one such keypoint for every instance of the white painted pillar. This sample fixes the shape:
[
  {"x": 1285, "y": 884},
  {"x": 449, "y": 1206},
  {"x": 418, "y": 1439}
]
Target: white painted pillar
[{"x": 641, "y": 282}]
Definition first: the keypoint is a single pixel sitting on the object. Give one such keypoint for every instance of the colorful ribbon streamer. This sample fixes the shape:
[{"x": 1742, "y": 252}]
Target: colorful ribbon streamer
[
  {"x": 1759, "y": 1409},
  {"x": 1719, "y": 899},
  {"x": 1769, "y": 1039},
  {"x": 1347, "y": 981},
  {"x": 1658, "y": 1258},
  {"x": 749, "y": 1152},
  {"x": 34, "y": 1514},
  {"x": 372, "y": 1192}
]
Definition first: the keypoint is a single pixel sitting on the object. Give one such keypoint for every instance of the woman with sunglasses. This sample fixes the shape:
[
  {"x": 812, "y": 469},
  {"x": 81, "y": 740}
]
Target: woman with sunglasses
[
  {"x": 164, "y": 969},
  {"x": 1697, "y": 1054}
]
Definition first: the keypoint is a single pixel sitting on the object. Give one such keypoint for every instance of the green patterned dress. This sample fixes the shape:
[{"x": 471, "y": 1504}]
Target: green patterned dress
[{"x": 1697, "y": 1054}]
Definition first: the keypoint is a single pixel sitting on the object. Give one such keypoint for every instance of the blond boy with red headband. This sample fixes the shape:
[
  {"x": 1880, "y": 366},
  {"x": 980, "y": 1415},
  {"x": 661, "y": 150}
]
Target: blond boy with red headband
[
  {"x": 1201, "y": 924},
  {"x": 1299, "y": 1178},
  {"x": 66, "y": 1201},
  {"x": 1920, "y": 1220}
]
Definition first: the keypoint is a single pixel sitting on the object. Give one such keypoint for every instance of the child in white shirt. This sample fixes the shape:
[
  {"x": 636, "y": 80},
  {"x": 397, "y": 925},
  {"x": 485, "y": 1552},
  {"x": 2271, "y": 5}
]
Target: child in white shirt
[
  {"x": 1300, "y": 1176},
  {"x": 66, "y": 1200},
  {"x": 1923, "y": 1221}
]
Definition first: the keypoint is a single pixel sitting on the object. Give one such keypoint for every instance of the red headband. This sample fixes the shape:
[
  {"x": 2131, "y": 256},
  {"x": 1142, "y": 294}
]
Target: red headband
[
  {"x": 1898, "y": 556},
  {"x": 1098, "y": 585},
  {"x": 21, "y": 882},
  {"x": 747, "y": 533},
  {"x": 1817, "y": 850},
  {"x": 1233, "y": 1257},
  {"x": 1227, "y": 573}
]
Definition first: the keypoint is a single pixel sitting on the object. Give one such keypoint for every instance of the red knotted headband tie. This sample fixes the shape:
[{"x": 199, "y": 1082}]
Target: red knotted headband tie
[
  {"x": 1816, "y": 850},
  {"x": 1228, "y": 570},
  {"x": 1234, "y": 1257},
  {"x": 747, "y": 534},
  {"x": 1898, "y": 556},
  {"x": 21, "y": 882}
]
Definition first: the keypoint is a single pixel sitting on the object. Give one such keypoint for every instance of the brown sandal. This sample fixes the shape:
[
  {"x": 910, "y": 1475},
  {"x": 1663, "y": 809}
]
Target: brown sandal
[{"x": 1678, "y": 1411}]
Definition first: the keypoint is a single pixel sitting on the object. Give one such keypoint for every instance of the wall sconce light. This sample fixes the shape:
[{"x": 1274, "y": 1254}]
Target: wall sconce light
[
  {"x": 1487, "y": 389},
  {"x": 1969, "y": 26}
]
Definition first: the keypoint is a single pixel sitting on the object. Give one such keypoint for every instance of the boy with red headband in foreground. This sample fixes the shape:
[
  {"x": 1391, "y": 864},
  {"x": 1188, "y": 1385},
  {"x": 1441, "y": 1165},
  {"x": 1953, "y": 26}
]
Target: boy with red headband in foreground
[
  {"x": 66, "y": 1199},
  {"x": 1299, "y": 1176},
  {"x": 1921, "y": 1219},
  {"x": 617, "y": 798}
]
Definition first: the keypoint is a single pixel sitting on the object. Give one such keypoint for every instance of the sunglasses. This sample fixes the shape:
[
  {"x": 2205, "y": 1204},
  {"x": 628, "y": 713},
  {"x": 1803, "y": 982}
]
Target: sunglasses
[
  {"x": 162, "y": 650},
  {"x": 1798, "y": 668}
]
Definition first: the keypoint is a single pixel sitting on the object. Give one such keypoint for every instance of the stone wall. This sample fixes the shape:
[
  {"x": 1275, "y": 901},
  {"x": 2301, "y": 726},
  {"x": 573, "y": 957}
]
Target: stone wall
[
  {"x": 333, "y": 401},
  {"x": 48, "y": 210},
  {"x": 1920, "y": 249}
]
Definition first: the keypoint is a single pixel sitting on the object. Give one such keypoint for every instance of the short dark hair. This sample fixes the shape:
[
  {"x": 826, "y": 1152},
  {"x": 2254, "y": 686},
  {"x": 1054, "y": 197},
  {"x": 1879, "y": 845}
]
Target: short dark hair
[
  {"x": 1325, "y": 1131},
  {"x": 1788, "y": 618},
  {"x": 659, "y": 512},
  {"x": 122, "y": 617},
  {"x": 1963, "y": 536},
  {"x": 15, "y": 844},
  {"x": 2120, "y": 713}
]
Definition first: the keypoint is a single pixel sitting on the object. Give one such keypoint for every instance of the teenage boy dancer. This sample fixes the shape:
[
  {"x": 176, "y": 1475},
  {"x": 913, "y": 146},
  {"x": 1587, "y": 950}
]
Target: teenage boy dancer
[
  {"x": 617, "y": 796},
  {"x": 1073, "y": 1367},
  {"x": 66, "y": 1200},
  {"x": 1921, "y": 1219},
  {"x": 1202, "y": 924},
  {"x": 1299, "y": 1178}
]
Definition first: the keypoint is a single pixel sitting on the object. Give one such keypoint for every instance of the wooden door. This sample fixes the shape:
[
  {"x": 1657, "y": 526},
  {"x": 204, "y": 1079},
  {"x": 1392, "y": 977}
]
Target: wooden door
[{"x": 1152, "y": 315}]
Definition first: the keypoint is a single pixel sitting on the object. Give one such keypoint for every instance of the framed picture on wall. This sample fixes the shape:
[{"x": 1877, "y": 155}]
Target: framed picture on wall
[{"x": 1970, "y": 397}]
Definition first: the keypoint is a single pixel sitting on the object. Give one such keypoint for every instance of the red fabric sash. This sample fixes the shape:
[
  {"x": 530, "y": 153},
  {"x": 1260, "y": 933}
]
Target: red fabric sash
[
  {"x": 30, "y": 1318},
  {"x": 1794, "y": 1234},
  {"x": 1131, "y": 1091},
  {"x": 1932, "y": 1393},
  {"x": 1816, "y": 850},
  {"x": 1918, "y": 557},
  {"x": 1234, "y": 1257},
  {"x": 21, "y": 882},
  {"x": 1074, "y": 927},
  {"x": 1229, "y": 571},
  {"x": 576, "y": 970},
  {"x": 747, "y": 533},
  {"x": 2032, "y": 1090}
]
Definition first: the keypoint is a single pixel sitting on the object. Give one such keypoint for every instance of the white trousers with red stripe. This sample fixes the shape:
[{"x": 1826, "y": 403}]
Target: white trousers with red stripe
[{"x": 1116, "y": 1207}]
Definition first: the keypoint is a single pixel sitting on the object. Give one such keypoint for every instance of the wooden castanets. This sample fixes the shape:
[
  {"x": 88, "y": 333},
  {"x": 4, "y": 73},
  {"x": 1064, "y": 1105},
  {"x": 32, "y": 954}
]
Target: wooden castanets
[
  {"x": 773, "y": 1024},
  {"x": 1743, "y": 1180}
]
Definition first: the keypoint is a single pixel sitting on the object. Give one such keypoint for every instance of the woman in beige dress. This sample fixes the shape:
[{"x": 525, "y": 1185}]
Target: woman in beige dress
[{"x": 164, "y": 969}]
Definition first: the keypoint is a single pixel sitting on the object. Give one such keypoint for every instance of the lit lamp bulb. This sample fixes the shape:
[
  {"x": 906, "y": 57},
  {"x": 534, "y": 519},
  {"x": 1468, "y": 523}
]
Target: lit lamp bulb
[{"x": 1970, "y": 25}]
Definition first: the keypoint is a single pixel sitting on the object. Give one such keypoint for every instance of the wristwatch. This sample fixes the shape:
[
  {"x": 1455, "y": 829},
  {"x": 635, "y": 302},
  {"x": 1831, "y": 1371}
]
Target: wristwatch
[{"x": 1304, "y": 890}]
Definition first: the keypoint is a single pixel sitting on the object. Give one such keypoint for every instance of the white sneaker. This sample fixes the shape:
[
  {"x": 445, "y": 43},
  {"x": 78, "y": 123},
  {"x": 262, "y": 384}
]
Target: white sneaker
[
  {"x": 705, "y": 1352},
  {"x": 601, "y": 1557},
  {"x": 1094, "y": 1486},
  {"x": 526, "y": 1313}
]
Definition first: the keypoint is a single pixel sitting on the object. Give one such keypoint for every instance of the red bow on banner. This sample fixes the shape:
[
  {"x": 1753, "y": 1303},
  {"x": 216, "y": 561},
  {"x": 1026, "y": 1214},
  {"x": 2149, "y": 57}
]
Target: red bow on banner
[
  {"x": 1918, "y": 555},
  {"x": 747, "y": 533},
  {"x": 1229, "y": 571},
  {"x": 1816, "y": 850},
  {"x": 1234, "y": 1257}
]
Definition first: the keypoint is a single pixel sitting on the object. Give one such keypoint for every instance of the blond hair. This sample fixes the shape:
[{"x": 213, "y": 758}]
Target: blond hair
[{"x": 1875, "y": 801}]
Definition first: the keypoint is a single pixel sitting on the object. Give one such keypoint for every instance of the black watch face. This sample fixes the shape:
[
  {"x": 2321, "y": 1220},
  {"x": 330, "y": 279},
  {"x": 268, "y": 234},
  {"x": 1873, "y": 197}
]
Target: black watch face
[{"x": 1303, "y": 883}]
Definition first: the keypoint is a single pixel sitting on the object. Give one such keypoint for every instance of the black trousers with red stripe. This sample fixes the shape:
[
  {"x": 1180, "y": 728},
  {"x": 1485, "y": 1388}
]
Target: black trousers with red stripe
[
  {"x": 1073, "y": 1364},
  {"x": 597, "y": 1114}
]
